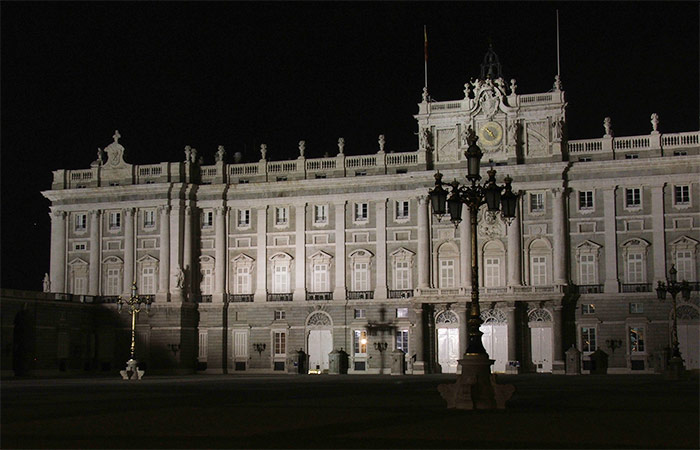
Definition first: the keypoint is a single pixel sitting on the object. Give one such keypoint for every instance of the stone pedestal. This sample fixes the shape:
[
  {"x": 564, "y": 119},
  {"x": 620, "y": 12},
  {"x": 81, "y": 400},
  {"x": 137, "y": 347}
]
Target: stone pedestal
[
  {"x": 398, "y": 359},
  {"x": 132, "y": 371},
  {"x": 476, "y": 387}
]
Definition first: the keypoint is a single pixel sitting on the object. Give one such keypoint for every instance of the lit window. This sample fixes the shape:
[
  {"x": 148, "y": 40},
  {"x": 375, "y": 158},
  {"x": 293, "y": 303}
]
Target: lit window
[
  {"x": 401, "y": 312},
  {"x": 636, "y": 340},
  {"x": 360, "y": 342},
  {"x": 447, "y": 273},
  {"x": 115, "y": 220},
  {"x": 681, "y": 195},
  {"x": 587, "y": 270},
  {"x": 684, "y": 265},
  {"x": 208, "y": 219},
  {"x": 402, "y": 275},
  {"x": 587, "y": 308},
  {"x": 636, "y": 308},
  {"x": 80, "y": 222},
  {"x": 320, "y": 278},
  {"x": 538, "y": 270},
  {"x": 585, "y": 200},
  {"x": 633, "y": 197},
  {"x": 281, "y": 279},
  {"x": 588, "y": 339},
  {"x": 280, "y": 343},
  {"x": 320, "y": 214},
  {"x": 402, "y": 209},
  {"x": 402, "y": 340},
  {"x": 537, "y": 202},
  {"x": 149, "y": 218},
  {"x": 243, "y": 218},
  {"x": 281, "y": 215},
  {"x": 635, "y": 268},
  {"x": 359, "y": 314},
  {"x": 148, "y": 280},
  {"x": 360, "y": 276},
  {"x": 361, "y": 212},
  {"x": 492, "y": 272},
  {"x": 207, "y": 285}
]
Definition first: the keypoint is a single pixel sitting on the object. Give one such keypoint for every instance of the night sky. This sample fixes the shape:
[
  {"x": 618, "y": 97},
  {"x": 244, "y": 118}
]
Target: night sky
[{"x": 168, "y": 75}]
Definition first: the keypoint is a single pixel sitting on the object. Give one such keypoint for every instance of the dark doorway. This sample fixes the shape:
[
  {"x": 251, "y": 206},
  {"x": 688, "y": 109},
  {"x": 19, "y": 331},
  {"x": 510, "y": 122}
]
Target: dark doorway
[{"x": 22, "y": 343}]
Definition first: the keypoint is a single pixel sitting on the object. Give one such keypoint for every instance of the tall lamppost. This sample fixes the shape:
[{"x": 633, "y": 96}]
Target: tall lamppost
[
  {"x": 673, "y": 287},
  {"x": 475, "y": 362},
  {"x": 134, "y": 304}
]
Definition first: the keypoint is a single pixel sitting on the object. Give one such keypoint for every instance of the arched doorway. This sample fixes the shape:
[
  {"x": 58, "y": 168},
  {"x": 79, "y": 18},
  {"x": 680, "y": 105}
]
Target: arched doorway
[
  {"x": 689, "y": 335},
  {"x": 540, "y": 323},
  {"x": 447, "y": 328},
  {"x": 495, "y": 337},
  {"x": 319, "y": 340}
]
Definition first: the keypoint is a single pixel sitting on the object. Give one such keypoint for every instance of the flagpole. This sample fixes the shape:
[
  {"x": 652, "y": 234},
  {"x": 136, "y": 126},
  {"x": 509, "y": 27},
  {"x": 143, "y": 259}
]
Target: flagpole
[
  {"x": 425, "y": 52},
  {"x": 558, "y": 69}
]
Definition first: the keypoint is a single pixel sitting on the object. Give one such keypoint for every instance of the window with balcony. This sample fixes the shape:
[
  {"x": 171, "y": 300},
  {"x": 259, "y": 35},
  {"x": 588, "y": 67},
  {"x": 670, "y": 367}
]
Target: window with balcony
[{"x": 684, "y": 255}]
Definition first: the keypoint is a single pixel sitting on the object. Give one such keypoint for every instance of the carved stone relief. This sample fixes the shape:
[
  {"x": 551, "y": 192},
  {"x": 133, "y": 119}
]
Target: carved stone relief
[
  {"x": 447, "y": 144},
  {"x": 537, "y": 141}
]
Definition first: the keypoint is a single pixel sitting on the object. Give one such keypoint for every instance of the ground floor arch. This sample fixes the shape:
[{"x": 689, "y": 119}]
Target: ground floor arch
[{"x": 495, "y": 337}]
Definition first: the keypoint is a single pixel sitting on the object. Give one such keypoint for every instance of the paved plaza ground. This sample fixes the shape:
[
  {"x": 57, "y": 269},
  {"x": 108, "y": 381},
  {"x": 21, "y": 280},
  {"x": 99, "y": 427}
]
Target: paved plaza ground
[{"x": 325, "y": 411}]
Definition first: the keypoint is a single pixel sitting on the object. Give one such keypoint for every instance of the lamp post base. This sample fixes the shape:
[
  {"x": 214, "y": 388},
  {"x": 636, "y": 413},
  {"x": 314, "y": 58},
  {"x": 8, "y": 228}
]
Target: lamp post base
[
  {"x": 675, "y": 370},
  {"x": 132, "y": 371},
  {"x": 476, "y": 387}
]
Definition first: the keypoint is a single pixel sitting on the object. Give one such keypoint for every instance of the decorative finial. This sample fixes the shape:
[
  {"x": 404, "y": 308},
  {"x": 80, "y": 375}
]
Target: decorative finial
[
  {"x": 607, "y": 124},
  {"x": 220, "y": 153},
  {"x": 425, "y": 94},
  {"x": 654, "y": 123},
  {"x": 513, "y": 86},
  {"x": 116, "y": 136},
  {"x": 382, "y": 142},
  {"x": 557, "y": 83},
  {"x": 341, "y": 145},
  {"x": 467, "y": 90},
  {"x": 263, "y": 150},
  {"x": 302, "y": 148}
]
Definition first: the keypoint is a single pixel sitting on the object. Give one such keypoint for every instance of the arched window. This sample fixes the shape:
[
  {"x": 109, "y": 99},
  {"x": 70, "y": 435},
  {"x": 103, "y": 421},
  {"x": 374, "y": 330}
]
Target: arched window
[
  {"x": 206, "y": 265},
  {"x": 402, "y": 263},
  {"x": 684, "y": 255},
  {"x": 493, "y": 263},
  {"x": 634, "y": 255},
  {"x": 448, "y": 270},
  {"x": 242, "y": 266},
  {"x": 281, "y": 267},
  {"x": 587, "y": 256},
  {"x": 540, "y": 262},
  {"x": 361, "y": 261},
  {"x": 148, "y": 278},
  {"x": 112, "y": 276},
  {"x": 320, "y": 272}
]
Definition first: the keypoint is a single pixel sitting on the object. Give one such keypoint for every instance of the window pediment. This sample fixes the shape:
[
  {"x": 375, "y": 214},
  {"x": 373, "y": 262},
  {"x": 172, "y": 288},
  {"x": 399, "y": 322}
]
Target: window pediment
[
  {"x": 361, "y": 255},
  {"x": 112, "y": 260},
  {"x": 321, "y": 257},
  {"x": 281, "y": 256},
  {"x": 685, "y": 242},
  {"x": 78, "y": 262},
  {"x": 206, "y": 260},
  {"x": 635, "y": 245},
  {"x": 147, "y": 259}
]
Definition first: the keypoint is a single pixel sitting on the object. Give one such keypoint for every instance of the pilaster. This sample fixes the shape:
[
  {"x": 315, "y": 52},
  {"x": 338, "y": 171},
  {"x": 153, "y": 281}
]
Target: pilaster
[
  {"x": 220, "y": 253},
  {"x": 58, "y": 251},
  {"x": 300, "y": 253},
  {"x": 559, "y": 244},
  {"x": 465, "y": 253},
  {"x": 261, "y": 263},
  {"x": 339, "y": 292},
  {"x": 512, "y": 337},
  {"x": 612, "y": 284},
  {"x": 128, "y": 250},
  {"x": 423, "y": 243},
  {"x": 94, "y": 278},
  {"x": 164, "y": 265},
  {"x": 419, "y": 364},
  {"x": 558, "y": 366},
  {"x": 515, "y": 252},
  {"x": 187, "y": 252},
  {"x": 659, "y": 235},
  {"x": 175, "y": 252},
  {"x": 380, "y": 291}
]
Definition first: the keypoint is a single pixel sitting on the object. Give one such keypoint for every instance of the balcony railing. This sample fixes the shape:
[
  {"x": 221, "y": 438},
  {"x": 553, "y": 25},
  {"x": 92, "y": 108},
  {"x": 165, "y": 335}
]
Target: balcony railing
[
  {"x": 280, "y": 297},
  {"x": 241, "y": 298},
  {"x": 590, "y": 289},
  {"x": 636, "y": 287},
  {"x": 360, "y": 295},
  {"x": 401, "y": 293},
  {"x": 202, "y": 299},
  {"x": 319, "y": 296}
]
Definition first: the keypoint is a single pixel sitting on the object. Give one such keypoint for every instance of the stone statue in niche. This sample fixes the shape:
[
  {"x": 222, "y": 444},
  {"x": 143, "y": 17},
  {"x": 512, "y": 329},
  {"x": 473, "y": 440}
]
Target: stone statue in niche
[
  {"x": 179, "y": 277},
  {"x": 341, "y": 145},
  {"x": 302, "y": 148},
  {"x": 557, "y": 127},
  {"x": 47, "y": 283},
  {"x": 513, "y": 133},
  {"x": 220, "y": 154}
]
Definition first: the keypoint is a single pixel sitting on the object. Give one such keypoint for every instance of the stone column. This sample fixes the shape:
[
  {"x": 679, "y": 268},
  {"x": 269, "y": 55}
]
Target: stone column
[
  {"x": 611, "y": 281},
  {"x": 558, "y": 231},
  {"x": 515, "y": 252},
  {"x": 380, "y": 291},
  {"x": 463, "y": 332},
  {"x": 164, "y": 264},
  {"x": 261, "y": 263},
  {"x": 300, "y": 253},
  {"x": 187, "y": 252},
  {"x": 557, "y": 347},
  {"x": 94, "y": 279},
  {"x": 58, "y": 251},
  {"x": 339, "y": 292},
  {"x": 419, "y": 364},
  {"x": 465, "y": 251},
  {"x": 220, "y": 253},
  {"x": 128, "y": 250},
  {"x": 659, "y": 236},
  {"x": 423, "y": 243},
  {"x": 512, "y": 329}
]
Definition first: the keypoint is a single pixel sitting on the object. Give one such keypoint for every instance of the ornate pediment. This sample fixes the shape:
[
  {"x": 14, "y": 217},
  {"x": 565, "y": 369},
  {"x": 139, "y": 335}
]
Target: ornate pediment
[
  {"x": 115, "y": 153},
  {"x": 321, "y": 256},
  {"x": 147, "y": 259},
  {"x": 490, "y": 225},
  {"x": 489, "y": 97},
  {"x": 78, "y": 262},
  {"x": 685, "y": 242}
]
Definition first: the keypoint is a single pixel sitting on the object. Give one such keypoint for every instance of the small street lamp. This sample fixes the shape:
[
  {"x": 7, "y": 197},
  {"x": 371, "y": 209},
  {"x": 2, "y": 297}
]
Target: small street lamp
[
  {"x": 474, "y": 388},
  {"x": 259, "y": 347},
  {"x": 673, "y": 287},
  {"x": 134, "y": 303}
]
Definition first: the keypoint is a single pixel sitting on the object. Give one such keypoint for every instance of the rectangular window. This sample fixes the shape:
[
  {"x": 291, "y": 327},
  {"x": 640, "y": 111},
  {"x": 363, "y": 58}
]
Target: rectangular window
[
  {"x": 635, "y": 268},
  {"x": 281, "y": 280},
  {"x": 80, "y": 222},
  {"x": 587, "y": 270},
  {"x": 636, "y": 340},
  {"x": 684, "y": 265},
  {"x": 208, "y": 219},
  {"x": 402, "y": 209},
  {"x": 588, "y": 339},
  {"x": 402, "y": 276},
  {"x": 203, "y": 346},
  {"x": 149, "y": 218},
  {"x": 148, "y": 281},
  {"x": 207, "y": 285},
  {"x": 447, "y": 273},
  {"x": 281, "y": 216},
  {"x": 320, "y": 214},
  {"x": 280, "y": 343},
  {"x": 361, "y": 281},
  {"x": 631, "y": 156},
  {"x": 587, "y": 308},
  {"x": 537, "y": 202},
  {"x": 280, "y": 315},
  {"x": 240, "y": 344},
  {"x": 402, "y": 340},
  {"x": 112, "y": 282},
  {"x": 492, "y": 272},
  {"x": 243, "y": 218},
  {"x": 359, "y": 314},
  {"x": 636, "y": 308},
  {"x": 360, "y": 342},
  {"x": 115, "y": 220},
  {"x": 585, "y": 200},
  {"x": 680, "y": 153},
  {"x": 539, "y": 270},
  {"x": 633, "y": 197},
  {"x": 243, "y": 280},
  {"x": 681, "y": 195},
  {"x": 584, "y": 159},
  {"x": 320, "y": 278},
  {"x": 401, "y": 313},
  {"x": 361, "y": 212},
  {"x": 80, "y": 246},
  {"x": 80, "y": 285}
]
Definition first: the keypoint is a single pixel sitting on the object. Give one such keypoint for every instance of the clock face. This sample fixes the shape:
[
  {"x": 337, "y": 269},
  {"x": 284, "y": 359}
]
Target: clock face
[{"x": 491, "y": 134}]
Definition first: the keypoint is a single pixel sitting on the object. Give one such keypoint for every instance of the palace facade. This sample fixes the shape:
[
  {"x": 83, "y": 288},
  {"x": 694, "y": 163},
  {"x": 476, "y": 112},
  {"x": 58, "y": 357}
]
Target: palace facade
[{"x": 248, "y": 263}]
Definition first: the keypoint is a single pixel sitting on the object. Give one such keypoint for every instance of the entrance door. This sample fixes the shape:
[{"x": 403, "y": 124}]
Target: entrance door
[
  {"x": 448, "y": 349},
  {"x": 495, "y": 340},
  {"x": 688, "y": 340},
  {"x": 320, "y": 345},
  {"x": 541, "y": 346}
]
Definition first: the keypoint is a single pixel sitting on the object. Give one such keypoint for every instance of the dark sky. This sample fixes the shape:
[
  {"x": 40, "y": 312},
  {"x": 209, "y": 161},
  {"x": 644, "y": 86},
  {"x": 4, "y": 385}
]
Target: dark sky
[{"x": 239, "y": 74}]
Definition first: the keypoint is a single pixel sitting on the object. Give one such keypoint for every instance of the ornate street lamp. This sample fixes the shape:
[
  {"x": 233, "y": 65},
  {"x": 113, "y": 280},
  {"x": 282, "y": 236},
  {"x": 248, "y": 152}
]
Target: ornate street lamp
[
  {"x": 673, "y": 287},
  {"x": 134, "y": 304},
  {"x": 497, "y": 198},
  {"x": 474, "y": 388}
]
